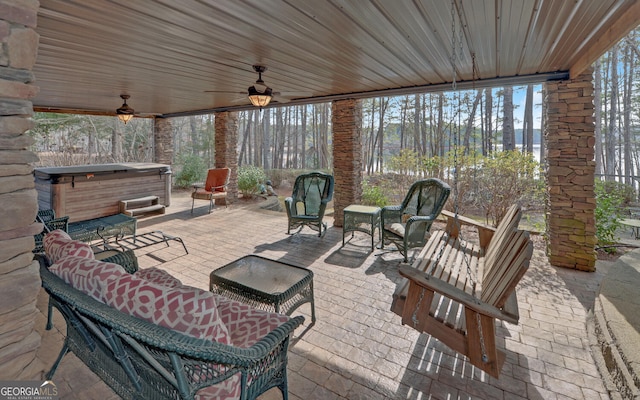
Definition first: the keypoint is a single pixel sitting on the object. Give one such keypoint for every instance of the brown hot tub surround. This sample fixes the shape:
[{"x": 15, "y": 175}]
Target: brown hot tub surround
[{"x": 91, "y": 191}]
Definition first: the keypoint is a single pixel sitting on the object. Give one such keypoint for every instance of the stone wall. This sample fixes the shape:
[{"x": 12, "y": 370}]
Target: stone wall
[
  {"x": 162, "y": 141},
  {"x": 19, "y": 274},
  {"x": 570, "y": 139},
  {"x": 346, "y": 120},
  {"x": 226, "y": 144}
]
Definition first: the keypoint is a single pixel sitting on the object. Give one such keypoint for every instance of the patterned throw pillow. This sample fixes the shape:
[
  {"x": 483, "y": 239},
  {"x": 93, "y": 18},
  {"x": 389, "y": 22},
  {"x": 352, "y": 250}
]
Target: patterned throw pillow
[
  {"x": 246, "y": 325},
  {"x": 159, "y": 276},
  {"x": 86, "y": 274},
  {"x": 58, "y": 245},
  {"x": 186, "y": 309}
]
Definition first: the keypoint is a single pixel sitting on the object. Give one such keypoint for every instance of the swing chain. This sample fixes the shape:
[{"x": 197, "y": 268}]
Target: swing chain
[
  {"x": 414, "y": 317},
  {"x": 483, "y": 349}
]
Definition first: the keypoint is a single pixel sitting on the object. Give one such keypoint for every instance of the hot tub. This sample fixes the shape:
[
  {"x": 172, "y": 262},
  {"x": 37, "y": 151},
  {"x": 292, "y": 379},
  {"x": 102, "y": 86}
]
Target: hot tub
[{"x": 91, "y": 191}]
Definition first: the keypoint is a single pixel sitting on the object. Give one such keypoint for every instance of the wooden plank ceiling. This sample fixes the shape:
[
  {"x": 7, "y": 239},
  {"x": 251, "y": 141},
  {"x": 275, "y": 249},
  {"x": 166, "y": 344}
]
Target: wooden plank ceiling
[{"x": 165, "y": 54}]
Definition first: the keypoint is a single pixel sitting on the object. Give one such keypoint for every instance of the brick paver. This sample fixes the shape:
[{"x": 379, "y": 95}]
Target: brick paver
[{"x": 358, "y": 349}]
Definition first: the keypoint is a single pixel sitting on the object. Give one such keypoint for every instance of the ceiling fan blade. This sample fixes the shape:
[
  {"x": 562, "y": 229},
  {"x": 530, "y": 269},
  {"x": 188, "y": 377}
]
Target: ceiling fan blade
[
  {"x": 281, "y": 99},
  {"x": 285, "y": 97},
  {"x": 223, "y": 91},
  {"x": 295, "y": 94}
]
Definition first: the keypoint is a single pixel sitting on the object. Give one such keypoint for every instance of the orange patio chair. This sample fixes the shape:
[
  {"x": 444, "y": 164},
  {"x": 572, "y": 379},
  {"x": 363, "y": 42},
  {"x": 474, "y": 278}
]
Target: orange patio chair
[{"x": 214, "y": 188}]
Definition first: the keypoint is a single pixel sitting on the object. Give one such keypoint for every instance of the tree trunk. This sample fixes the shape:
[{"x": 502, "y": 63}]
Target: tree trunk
[
  {"x": 487, "y": 143},
  {"x": 372, "y": 142},
  {"x": 193, "y": 131},
  {"x": 626, "y": 128},
  {"x": 440, "y": 124},
  {"x": 245, "y": 139},
  {"x": 508, "y": 133},
  {"x": 470, "y": 121},
  {"x": 418, "y": 130},
  {"x": 528, "y": 121},
  {"x": 266, "y": 138},
  {"x": 610, "y": 140},
  {"x": 597, "y": 105},
  {"x": 384, "y": 102},
  {"x": 303, "y": 137}
]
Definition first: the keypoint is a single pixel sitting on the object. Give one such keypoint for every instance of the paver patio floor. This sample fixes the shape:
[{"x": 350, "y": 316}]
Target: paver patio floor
[{"x": 358, "y": 348}]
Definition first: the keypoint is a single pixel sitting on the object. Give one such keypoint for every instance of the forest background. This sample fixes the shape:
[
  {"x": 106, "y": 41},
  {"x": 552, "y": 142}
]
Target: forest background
[{"x": 487, "y": 143}]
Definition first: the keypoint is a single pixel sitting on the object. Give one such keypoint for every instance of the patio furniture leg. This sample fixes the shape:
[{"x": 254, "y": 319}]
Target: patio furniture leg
[{"x": 63, "y": 352}]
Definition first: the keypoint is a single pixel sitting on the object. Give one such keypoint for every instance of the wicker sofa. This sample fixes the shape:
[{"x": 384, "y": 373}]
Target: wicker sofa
[{"x": 140, "y": 359}]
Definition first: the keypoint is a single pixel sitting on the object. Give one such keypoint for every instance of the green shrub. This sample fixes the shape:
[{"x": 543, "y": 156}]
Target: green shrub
[
  {"x": 608, "y": 213},
  {"x": 192, "y": 169},
  {"x": 373, "y": 195},
  {"x": 249, "y": 180},
  {"x": 503, "y": 179}
]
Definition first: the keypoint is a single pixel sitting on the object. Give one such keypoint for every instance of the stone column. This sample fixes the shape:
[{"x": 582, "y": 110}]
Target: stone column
[
  {"x": 570, "y": 204},
  {"x": 226, "y": 145},
  {"x": 19, "y": 274},
  {"x": 346, "y": 120},
  {"x": 162, "y": 141}
]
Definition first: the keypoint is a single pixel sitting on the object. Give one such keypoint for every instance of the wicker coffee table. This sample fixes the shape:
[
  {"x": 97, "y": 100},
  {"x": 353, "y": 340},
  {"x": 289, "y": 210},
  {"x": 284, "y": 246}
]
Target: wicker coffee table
[{"x": 265, "y": 284}]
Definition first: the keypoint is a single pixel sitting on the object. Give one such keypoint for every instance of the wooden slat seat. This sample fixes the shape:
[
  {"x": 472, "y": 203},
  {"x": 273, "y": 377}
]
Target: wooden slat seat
[{"x": 456, "y": 289}]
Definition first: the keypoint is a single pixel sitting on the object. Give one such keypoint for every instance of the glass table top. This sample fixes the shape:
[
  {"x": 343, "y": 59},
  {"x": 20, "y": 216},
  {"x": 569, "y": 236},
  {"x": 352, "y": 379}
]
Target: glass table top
[{"x": 262, "y": 274}]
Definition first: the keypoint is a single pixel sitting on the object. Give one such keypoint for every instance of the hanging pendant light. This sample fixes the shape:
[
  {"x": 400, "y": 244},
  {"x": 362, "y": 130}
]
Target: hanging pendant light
[
  {"x": 124, "y": 113},
  {"x": 260, "y": 98}
]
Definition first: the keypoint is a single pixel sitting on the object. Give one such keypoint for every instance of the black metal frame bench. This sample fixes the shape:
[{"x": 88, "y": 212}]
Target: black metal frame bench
[
  {"x": 141, "y": 240},
  {"x": 103, "y": 228}
]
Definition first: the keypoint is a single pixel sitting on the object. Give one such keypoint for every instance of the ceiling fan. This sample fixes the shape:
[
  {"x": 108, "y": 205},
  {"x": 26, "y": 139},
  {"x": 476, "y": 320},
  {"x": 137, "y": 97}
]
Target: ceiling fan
[{"x": 260, "y": 94}]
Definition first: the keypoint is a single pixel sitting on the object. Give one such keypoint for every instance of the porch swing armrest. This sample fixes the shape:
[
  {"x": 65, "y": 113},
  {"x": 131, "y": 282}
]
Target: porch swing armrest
[
  {"x": 485, "y": 232},
  {"x": 437, "y": 285}
]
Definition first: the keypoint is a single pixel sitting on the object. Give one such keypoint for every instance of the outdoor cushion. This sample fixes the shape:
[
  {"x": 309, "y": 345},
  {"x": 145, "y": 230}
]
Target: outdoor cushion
[
  {"x": 186, "y": 309},
  {"x": 159, "y": 276},
  {"x": 58, "y": 244},
  {"x": 86, "y": 274},
  {"x": 216, "y": 179},
  {"x": 395, "y": 228},
  {"x": 247, "y": 325}
]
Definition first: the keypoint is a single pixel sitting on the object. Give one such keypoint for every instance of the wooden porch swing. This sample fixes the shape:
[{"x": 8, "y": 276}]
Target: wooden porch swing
[{"x": 455, "y": 290}]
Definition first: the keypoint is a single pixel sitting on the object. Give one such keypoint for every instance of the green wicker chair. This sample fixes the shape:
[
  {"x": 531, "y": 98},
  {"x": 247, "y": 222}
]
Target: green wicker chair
[
  {"x": 308, "y": 202},
  {"x": 407, "y": 225}
]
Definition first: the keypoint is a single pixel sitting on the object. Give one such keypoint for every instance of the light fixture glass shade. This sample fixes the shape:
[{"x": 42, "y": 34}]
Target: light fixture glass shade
[
  {"x": 125, "y": 113},
  {"x": 260, "y": 99},
  {"x": 125, "y": 117}
]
